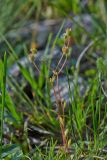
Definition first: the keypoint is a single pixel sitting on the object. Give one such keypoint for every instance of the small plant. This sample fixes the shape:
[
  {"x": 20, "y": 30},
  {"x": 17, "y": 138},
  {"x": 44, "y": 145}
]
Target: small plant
[
  {"x": 31, "y": 121},
  {"x": 66, "y": 49}
]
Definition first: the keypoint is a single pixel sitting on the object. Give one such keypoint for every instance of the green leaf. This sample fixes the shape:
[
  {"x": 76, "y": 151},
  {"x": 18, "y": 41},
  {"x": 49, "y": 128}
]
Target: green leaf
[
  {"x": 11, "y": 107},
  {"x": 30, "y": 79},
  {"x": 8, "y": 100},
  {"x": 9, "y": 150}
]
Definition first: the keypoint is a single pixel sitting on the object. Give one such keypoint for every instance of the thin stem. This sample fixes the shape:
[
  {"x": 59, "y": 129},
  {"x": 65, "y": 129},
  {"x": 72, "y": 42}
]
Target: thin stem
[
  {"x": 55, "y": 96},
  {"x": 60, "y": 95},
  {"x": 59, "y": 116},
  {"x": 39, "y": 70},
  {"x": 62, "y": 131},
  {"x": 36, "y": 67},
  {"x": 62, "y": 66},
  {"x": 59, "y": 62}
]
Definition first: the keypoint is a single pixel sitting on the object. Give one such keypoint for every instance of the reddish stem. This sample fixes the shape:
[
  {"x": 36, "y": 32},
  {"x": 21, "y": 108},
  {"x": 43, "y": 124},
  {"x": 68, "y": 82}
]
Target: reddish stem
[{"x": 62, "y": 66}]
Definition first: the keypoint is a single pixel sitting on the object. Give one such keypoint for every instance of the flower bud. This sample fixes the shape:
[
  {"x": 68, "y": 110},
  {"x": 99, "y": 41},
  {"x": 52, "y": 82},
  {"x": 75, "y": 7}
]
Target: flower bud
[
  {"x": 68, "y": 32},
  {"x": 33, "y": 50},
  {"x": 52, "y": 79},
  {"x": 55, "y": 73},
  {"x": 65, "y": 49}
]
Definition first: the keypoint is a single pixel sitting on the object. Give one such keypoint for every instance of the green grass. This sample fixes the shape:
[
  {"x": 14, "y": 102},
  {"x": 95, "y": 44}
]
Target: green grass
[
  {"x": 78, "y": 132},
  {"x": 3, "y": 103}
]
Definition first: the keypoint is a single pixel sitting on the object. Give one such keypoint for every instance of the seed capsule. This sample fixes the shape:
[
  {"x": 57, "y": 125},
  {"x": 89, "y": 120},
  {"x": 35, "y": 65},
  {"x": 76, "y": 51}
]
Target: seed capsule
[{"x": 65, "y": 50}]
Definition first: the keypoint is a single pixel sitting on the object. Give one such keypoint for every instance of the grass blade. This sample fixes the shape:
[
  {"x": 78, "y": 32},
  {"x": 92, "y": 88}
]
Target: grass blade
[{"x": 3, "y": 101}]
